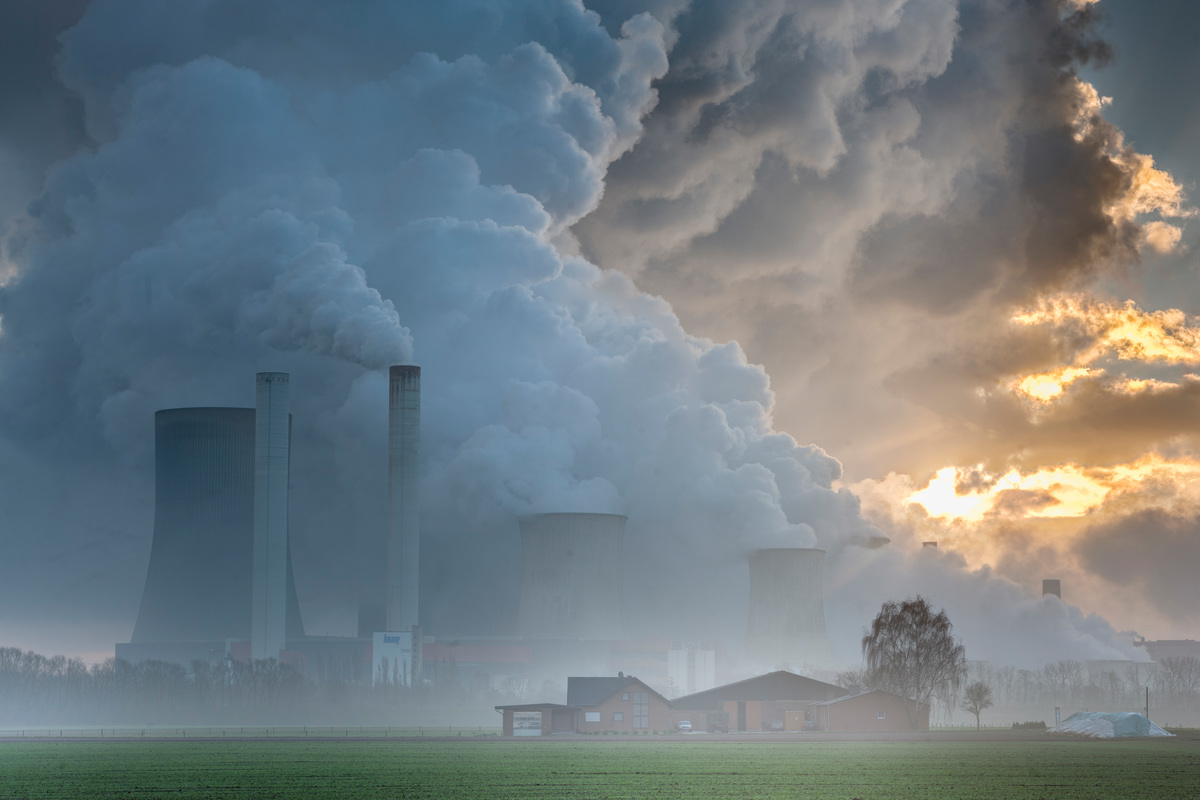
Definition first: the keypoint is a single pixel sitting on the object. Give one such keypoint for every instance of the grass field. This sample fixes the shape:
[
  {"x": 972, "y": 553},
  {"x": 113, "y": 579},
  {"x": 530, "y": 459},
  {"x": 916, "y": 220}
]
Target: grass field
[{"x": 683, "y": 768}]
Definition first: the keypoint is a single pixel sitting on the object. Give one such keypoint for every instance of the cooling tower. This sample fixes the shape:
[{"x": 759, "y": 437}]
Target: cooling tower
[
  {"x": 198, "y": 581},
  {"x": 787, "y": 612},
  {"x": 1052, "y": 586},
  {"x": 571, "y": 577},
  {"x": 404, "y": 535}
]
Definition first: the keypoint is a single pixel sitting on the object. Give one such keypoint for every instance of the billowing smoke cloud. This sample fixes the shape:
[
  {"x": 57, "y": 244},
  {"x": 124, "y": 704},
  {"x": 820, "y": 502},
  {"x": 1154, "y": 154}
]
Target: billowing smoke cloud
[
  {"x": 307, "y": 187},
  {"x": 276, "y": 197}
]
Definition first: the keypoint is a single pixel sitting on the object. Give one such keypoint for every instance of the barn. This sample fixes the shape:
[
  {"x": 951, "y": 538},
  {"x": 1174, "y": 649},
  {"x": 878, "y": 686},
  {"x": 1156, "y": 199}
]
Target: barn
[
  {"x": 868, "y": 711},
  {"x": 775, "y": 701}
]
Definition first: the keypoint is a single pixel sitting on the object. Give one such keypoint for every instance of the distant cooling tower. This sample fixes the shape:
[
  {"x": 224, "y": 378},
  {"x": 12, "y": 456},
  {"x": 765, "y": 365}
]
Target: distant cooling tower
[
  {"x": 198, "y": 582},
  {"x": 1052, "y": 586},
  {"x": 787, "y": 610},
  {"x": 571, "y": 577},
  {"x": 404, "y": 479}
]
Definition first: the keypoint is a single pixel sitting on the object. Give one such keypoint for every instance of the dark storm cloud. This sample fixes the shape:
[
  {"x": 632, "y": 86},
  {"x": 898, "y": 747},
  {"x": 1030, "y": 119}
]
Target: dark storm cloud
[{"x": 40, "y": 120}]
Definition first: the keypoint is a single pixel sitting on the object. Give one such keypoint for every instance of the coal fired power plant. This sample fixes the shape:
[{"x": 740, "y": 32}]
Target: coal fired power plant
[
  {"x": 220, "y": 585},
  {"x": 786, "y": 622}
]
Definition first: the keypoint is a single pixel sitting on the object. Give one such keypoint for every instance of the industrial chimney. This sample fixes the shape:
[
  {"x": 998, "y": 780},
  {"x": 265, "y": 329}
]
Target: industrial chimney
[
  {"x": 787, "y": 610},
  {"x": 404, "y": 536},
  {"x": 1052, "y": 586},
  {"x": 272, "y": 455},
  {"x": 571, "y": 577}
]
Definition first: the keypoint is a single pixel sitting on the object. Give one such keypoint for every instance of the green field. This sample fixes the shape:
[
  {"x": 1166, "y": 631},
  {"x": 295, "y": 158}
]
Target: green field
[{"x": 600, "y": 769}]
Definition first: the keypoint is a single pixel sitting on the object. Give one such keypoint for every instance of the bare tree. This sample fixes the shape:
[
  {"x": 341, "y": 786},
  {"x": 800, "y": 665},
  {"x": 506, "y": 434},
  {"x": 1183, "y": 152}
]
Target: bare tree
[
  {"x": 912, "y": 652},
  {"x": 976, "y": 697}
]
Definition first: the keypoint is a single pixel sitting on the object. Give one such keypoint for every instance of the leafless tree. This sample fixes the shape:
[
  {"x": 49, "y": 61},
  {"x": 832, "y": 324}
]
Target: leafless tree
[
  {"x": 911, "y": 651},
  {"x": 976, "y": 697}
]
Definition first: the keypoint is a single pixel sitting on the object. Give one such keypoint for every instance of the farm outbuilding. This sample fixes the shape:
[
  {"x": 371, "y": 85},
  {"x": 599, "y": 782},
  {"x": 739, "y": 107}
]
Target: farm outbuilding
[
  {"x": 775, "y": 701},
  {"x": 622, "y": 704},
  {"x": 537, "y": 719},
  {"x": 869, "y": 711}
]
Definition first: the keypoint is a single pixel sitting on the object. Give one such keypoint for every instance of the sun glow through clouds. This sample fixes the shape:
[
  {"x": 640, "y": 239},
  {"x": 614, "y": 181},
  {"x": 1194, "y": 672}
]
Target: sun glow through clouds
[{"x": 1067, "y": 490}]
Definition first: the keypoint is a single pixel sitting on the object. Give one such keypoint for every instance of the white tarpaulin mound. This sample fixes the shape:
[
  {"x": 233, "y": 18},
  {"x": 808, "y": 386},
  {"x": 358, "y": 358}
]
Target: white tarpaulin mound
[{"x": 1108, "y": 726}]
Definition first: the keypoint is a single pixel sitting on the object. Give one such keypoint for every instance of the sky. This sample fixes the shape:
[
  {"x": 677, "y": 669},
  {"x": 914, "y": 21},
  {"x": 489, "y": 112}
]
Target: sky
[{"x": 753, "y": 273}]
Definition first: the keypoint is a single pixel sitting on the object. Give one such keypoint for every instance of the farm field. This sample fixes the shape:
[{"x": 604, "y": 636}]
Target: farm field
[{"x": 680, "y": 768}]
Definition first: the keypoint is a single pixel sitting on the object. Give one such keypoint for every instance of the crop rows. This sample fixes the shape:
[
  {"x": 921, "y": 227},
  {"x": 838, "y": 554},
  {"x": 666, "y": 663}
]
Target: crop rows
[{"x": 573, "y": 769}]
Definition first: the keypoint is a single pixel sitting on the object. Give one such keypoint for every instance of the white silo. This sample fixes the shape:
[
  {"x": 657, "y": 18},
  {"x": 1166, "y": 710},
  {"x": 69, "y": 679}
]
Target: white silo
[
  {"x": 571, "y": 577},
  {"x": 404, "y": 477},
  {"x": 787, "y": 610},
  {"x": 272, "y": 440}
]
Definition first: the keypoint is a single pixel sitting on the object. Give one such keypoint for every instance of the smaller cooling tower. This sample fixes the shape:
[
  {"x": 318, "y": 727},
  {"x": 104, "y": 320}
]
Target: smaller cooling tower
[
  {"x": 571, "y": 577},
  {"x": 787, "y": 609},
  {"x": 1052, "y": 586}
]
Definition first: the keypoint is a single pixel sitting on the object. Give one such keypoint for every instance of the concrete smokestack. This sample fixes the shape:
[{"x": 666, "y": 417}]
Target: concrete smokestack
[
  {"x": 404, "y": 534},
  {"x": 787, "y": 609},
  {"x": 272, "y": 456},
  {"x": 1052, "y": 586},
  {"x": 571, "y": 577}
]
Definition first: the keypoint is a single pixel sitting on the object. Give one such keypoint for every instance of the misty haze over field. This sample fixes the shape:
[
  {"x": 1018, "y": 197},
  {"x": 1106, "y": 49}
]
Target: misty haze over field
[{"x": 750, "y": 273}]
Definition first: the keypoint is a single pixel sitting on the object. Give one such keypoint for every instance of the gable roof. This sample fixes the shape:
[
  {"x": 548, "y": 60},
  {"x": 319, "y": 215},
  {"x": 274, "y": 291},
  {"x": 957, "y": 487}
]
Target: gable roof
[
  {"x": 537, "y": 707},
  {"x": 778, "y": 685},
  {"x": 594, "y": 691},
  {"x": 859, "y": 695}
]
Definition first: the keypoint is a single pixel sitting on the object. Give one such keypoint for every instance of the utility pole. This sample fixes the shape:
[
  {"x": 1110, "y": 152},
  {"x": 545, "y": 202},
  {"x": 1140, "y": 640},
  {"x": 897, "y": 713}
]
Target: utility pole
[{"x": 1147, "y": 701}]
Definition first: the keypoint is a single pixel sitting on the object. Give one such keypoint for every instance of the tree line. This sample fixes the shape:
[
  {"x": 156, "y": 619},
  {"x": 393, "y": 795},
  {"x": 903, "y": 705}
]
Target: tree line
[{"x": 54, "y": 690}]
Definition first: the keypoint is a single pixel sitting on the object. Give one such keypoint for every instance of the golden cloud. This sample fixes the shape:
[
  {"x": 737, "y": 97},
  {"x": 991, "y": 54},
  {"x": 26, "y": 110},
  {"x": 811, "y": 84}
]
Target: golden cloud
[
  {"x": 1165, "y": 336},
  {"x": 1066, "y": 490},
  {"x": 1147, "y": 189}
]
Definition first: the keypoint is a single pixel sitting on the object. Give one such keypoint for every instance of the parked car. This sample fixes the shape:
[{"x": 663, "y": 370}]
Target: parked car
[{"x": 685, "y": 725}]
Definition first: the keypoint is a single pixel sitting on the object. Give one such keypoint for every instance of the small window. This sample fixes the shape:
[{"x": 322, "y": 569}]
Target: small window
[
  {"x": 618, "y": 716},
  {"x": 881, "y": 715},
  {"x": 625, "y": 697},
  {"x": 591, "y": 716}
]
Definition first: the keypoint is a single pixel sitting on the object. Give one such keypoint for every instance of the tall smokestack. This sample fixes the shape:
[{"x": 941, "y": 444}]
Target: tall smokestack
[
  {"x": 1052, "y": 586},
  {"x": 571, "y": 577},
  {"x": 787, "y": 610},
  {"x": 272, "y": 454},
  {"x": 404, "y": 535}
]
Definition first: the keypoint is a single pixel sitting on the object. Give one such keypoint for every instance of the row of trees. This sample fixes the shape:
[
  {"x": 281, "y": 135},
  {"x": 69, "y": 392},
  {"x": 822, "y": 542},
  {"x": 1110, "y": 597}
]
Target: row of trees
[{"x": 40, "y": 690}]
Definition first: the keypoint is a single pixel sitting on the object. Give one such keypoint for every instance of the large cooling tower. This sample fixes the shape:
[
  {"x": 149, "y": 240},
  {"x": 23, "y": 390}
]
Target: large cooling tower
[
  {"x": 571, "y": 577},
  {"x": 787, "y": 611},
  {"x": 198, "y": 582},
  {"x": 272, "y": 459},
  {"x": 404, "y": 534}
]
